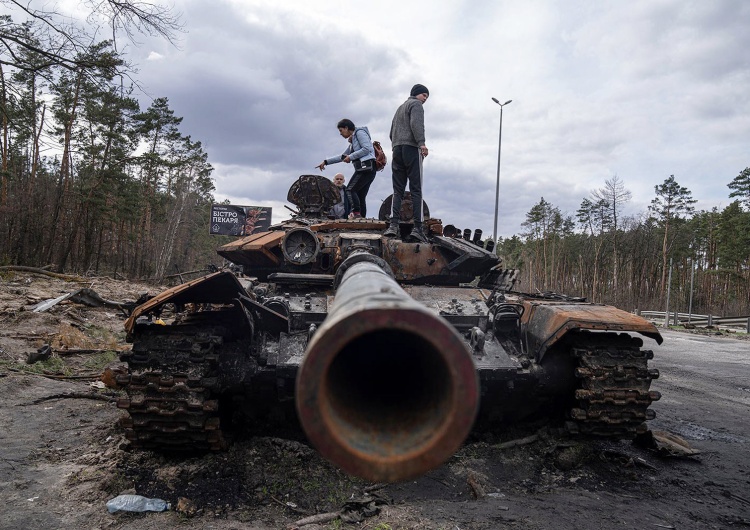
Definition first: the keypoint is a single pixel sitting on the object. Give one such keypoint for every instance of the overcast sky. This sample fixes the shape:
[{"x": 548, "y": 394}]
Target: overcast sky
[{"x": 641, "y": 89}]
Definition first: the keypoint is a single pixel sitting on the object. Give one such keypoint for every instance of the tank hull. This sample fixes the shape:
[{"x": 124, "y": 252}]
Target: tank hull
[{"x": 387, "y": 353}]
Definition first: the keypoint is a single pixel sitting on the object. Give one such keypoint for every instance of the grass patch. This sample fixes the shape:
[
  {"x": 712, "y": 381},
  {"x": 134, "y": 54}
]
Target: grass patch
[
  {"x": 104, "y": 336},
  {"x": 90, "y": 337},
  {"x": 54, "y": 365},
  {"x": 98, "y": 361},
  {"x": 69, "y": 337}
]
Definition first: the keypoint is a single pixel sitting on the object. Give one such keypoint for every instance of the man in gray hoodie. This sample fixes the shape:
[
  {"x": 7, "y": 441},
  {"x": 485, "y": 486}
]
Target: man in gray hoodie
[{"x": 409, "y": 149}]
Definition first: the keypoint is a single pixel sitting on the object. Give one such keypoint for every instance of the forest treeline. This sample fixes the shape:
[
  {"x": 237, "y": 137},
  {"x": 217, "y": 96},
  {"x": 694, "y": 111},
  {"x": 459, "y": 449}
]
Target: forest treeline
[
  {"x": 89, "y": 181},
  {"x": 630, "y": 261}
]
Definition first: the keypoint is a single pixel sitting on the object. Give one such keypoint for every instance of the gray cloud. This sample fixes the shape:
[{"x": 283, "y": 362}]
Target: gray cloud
[
  {"x": 264, "y": 92},
  {"x": 639, "y": 89}
]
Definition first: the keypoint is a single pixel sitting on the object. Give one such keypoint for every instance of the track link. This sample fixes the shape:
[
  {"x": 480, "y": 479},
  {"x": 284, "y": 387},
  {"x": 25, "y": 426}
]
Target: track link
[
  {"x": 172, "y": 377},
  {"x": 613, "y": 396}
]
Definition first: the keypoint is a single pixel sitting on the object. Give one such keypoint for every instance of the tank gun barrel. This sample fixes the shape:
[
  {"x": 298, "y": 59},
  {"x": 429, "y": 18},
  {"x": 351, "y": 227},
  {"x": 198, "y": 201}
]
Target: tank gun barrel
[{"x": 387, "y": 389}]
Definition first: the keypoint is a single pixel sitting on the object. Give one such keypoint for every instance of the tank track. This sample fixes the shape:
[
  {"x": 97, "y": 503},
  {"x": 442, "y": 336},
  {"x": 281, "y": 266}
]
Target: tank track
[
  {"x": 613, "y": 396},
  {"x": 172, "y": 376}
]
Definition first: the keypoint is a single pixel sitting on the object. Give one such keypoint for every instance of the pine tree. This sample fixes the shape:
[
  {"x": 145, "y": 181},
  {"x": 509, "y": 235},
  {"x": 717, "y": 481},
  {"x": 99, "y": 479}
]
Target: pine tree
[
  {"x": 671, "y": 204},
  {"x": 741, "y": 186}
]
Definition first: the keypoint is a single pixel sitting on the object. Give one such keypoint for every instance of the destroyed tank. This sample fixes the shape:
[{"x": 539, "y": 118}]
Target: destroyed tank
[{"x": 387, "y": 352}]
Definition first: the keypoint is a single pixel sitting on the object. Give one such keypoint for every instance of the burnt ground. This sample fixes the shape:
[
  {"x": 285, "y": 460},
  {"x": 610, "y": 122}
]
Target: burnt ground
[{"x": 63, "y": 453}]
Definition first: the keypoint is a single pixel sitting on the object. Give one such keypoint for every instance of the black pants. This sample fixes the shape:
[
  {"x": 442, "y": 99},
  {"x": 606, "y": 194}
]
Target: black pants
[
  {"x": 359, "y": 185},
  {"x": 407, "y": 167}
]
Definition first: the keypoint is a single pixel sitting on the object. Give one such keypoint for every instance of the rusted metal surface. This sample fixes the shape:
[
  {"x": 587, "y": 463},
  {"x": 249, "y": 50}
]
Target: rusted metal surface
[
  {"x": 260, "y": 249},
  {"x": 387, "y": 390},
  {"x": 349, "y": 224},
  {"x": 548, "y": 322},
  {"x": 407, "y": 209},
  {"x": 444, "y": 261},
  {"x": 411, "y": 261},
  {"x": 217, "y": 287}
]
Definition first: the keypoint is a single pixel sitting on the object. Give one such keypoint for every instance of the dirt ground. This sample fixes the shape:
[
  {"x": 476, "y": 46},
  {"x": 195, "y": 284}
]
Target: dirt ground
[{"x": 63, "y": 453}]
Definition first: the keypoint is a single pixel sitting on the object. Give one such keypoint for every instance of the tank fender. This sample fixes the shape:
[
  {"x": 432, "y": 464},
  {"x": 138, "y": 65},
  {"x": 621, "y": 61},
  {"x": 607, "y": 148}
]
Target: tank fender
[
  {"x": 545, "y": 324},
  {"x": 218, "y": 288}
]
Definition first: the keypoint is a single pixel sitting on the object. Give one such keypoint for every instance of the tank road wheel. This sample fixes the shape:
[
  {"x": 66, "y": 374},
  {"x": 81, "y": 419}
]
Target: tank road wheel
[
  {"x": 170, "y": 384},
  {"x": 613, "y": 395}
]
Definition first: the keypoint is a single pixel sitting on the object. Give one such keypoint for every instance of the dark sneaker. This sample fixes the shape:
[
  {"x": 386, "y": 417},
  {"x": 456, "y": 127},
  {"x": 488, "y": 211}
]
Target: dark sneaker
[
  {"x": 392, "y": 231},
  {"x": 416, "y": 236}
]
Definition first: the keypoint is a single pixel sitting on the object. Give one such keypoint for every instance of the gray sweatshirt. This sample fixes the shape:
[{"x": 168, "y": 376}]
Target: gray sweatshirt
[{"x": 407, "y": 127}]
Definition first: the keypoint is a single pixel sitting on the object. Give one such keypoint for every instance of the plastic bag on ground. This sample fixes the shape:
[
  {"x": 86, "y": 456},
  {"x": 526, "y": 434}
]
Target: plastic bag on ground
[{"x": 136, "y": 503}]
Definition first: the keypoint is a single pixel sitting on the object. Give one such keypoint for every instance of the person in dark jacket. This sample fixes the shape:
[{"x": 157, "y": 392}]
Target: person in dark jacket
[
  {"x": 361, "y": 154},
  {"x": 341, "y": 209},
  {"x": 409, "y": 150}
]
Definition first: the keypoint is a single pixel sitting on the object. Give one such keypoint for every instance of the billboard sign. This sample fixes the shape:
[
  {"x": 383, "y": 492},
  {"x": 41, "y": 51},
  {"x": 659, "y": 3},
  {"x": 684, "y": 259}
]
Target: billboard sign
[{"x": 231, "y": 220}]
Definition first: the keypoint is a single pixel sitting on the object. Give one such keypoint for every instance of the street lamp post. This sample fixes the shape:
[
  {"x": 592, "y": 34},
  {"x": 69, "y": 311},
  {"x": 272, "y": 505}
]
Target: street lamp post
[{"x": 497, "y": 186}]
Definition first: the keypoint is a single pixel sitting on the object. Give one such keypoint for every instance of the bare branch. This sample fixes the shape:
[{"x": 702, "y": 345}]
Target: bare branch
[
  {"x": 138, "y": 17},
  {"x": 45, "y": 17},
  {"x": 63, "y": 42}
]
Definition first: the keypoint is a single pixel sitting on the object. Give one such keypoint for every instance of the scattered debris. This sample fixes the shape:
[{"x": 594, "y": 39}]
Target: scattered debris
[
  {"x": 109, "y": 376},
  {"x": 641, "y": 462},
  {"x": 355, "y": 510},
  {"x": 136, "y": 503},
  {"x": 315, "y": 519},
  {"x": 187, "y": 507},
  {"x": 82, "y": 351},
  {"x": 515, "y": 443},
  {"x": 374, "y": 487},
  {"x": 91, "y": 298},
  {"x": 624, "y": 459},
  {"x": 289, "y": 505},
  {"x": 42, "y": 354},
  {"x": 665, "y": 444},
  {"x": 569, "y": 456},
  {"x": 111, "y": 398},
  {"x": 36, "y": 270},
  {"x": 47, "y": 304},
  {"x": 87, "y": 297},
  {"x": 22, "y": 336},
  {"x": 476, "y": 488},
  {"x": 86, "y": 377}
]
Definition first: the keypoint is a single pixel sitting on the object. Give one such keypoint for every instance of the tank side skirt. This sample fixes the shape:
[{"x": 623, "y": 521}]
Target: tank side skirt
[{"x": 547, "y": 323}]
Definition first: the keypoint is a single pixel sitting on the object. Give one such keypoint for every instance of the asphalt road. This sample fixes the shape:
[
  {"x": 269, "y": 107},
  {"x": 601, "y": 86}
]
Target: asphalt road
[{"x": 705, "y": 387}]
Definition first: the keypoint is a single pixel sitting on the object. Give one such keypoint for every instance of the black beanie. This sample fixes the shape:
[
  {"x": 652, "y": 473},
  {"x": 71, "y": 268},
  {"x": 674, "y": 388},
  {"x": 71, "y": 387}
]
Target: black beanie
[{"x": 419, "y": 89}]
